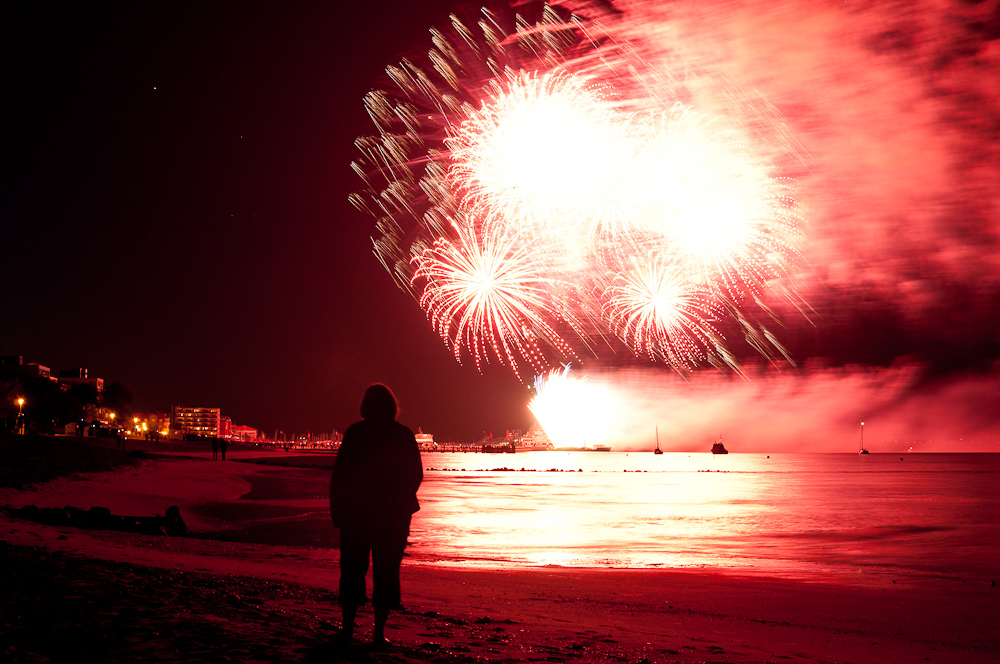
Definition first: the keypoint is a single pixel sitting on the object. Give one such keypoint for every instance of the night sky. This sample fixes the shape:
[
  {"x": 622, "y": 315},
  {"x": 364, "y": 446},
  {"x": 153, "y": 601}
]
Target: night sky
[{"x": 175, "y": 210}]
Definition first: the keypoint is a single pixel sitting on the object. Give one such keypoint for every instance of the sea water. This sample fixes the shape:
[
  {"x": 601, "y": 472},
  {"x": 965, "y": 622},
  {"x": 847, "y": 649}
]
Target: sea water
[{"x": 796, "y": 515}]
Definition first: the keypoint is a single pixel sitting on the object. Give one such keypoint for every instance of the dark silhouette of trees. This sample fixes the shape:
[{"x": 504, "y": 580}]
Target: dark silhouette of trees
[
  {"x": 48, "y": 404},
  {"x": 117, "y": 398},
  {"x": 85, "y": 393}
]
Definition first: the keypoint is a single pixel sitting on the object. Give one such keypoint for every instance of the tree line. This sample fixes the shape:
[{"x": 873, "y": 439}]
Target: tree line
[{"x": 49, "y": 405}]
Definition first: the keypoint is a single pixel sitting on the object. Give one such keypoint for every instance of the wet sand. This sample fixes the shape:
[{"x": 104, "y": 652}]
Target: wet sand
[{"x": 238, "y": 590}]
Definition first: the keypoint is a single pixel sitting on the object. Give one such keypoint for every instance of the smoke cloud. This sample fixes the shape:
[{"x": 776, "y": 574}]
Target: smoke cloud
[
  {"x": 812, "y": 410},
  {"x": 891, "y": 113}
]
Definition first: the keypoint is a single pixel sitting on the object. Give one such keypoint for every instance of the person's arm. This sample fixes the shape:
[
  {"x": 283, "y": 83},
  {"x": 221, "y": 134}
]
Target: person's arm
[
  {"x": 415, "y": 466},
  {"x": 339, "y": 477}
]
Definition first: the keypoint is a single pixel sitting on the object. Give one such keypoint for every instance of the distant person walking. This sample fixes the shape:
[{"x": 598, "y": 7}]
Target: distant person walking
[
  {"x": 223, "y": 445},
  {"x": 373, "y": 494},
  {"x": 215, "y": 448}
]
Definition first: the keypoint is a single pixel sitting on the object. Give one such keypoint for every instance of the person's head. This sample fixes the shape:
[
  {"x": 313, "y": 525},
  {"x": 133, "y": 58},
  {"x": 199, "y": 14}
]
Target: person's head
[{"x": 378, "y": 403}]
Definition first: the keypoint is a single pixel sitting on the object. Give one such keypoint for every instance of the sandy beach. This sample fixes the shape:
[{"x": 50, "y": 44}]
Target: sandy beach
[{"x": 247, "y": 584}]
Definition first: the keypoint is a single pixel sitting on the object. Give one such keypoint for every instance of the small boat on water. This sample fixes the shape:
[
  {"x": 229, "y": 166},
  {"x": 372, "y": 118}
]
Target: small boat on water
[
  {"x": 425, "y": 441},
  {"x": 719, "y": 448},
  {"x": 657, "y": 450},
  {"x": 863, "y": 450}
]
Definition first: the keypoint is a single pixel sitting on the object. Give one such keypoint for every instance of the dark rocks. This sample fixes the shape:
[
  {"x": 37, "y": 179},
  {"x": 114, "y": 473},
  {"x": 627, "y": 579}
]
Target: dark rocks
[
  {"x": 101, "y": 518},
  {"x": 52, "y": 516},
  {"x": 29, "y": 512}
]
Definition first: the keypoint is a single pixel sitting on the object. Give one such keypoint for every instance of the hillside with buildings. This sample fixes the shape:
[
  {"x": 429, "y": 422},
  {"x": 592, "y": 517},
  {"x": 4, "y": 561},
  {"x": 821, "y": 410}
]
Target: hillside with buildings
[{"x": 36, "y": 399}]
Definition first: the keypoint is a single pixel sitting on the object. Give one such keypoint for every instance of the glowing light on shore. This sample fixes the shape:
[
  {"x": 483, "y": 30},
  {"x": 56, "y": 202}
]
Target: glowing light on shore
[
  {"x": 542, "y": 194},
  {"x": 571, "y": 410}
]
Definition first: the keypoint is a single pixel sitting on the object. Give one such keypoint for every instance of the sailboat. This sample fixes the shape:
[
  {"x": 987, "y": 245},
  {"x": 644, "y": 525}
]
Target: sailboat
[
  {"x": 657, "y": 450},
  {"x": 863, "y": 450}
]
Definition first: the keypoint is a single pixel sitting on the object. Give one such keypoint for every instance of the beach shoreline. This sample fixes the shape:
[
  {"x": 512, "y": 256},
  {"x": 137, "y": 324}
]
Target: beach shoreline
[{"x": 456, "y": 614}]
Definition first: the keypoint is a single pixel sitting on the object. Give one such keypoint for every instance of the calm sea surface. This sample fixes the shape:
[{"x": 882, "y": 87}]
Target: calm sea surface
[{"x": 788, "y": 514}]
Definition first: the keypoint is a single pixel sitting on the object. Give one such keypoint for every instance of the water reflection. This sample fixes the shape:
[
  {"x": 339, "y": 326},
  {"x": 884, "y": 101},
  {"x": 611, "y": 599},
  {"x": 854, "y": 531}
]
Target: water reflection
[{"x": 792, "y": 513}]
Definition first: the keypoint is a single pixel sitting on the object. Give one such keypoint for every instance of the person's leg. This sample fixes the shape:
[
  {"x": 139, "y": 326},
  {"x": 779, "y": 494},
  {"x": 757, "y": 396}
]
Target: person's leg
[
  {"x": 348, "y": 617},
  {"x": 354, "y": 552},
  {"x": 387, "y": 555},
  {"x": 378, "y": 632},
  {"x": 385, "y": 594}
]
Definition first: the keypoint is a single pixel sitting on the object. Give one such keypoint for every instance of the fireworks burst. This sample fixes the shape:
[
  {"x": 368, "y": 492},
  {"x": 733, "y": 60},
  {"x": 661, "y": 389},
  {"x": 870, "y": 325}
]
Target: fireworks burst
[
  {"x": 544, "y": 155},
  {"x": 716, "y": 206},
  {"x": 488, "y": 292},
  {"x": 538, "y": 188},
  {"x": 658, "y": 310}
]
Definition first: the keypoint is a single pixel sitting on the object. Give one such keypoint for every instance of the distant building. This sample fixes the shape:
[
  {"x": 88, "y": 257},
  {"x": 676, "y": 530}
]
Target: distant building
[
  {"x": 37, "y": 370},
  {"x": 11, "y": 361},
  {"x": 103, "y": 415},
  {"x": 199, "y": 421},
  {"x": 245, "y": 434},
  {"x": 77, "y": 376},
  {"x": 155, "y": 422},
  {"x": 225, "y": 427}
]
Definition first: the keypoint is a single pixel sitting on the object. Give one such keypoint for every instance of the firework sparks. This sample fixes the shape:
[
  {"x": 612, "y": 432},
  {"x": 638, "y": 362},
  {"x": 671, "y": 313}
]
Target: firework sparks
[
  {"x": 488, "y": 292},
  {"x": 659, "y": 311},
  {"x": 541, "y": 189},
  {"x": 714, "y": 204}
]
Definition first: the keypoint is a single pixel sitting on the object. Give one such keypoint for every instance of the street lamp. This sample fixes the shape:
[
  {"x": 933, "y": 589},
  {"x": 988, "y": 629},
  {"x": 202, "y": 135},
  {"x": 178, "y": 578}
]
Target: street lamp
[{"x": 20, "y": 416}]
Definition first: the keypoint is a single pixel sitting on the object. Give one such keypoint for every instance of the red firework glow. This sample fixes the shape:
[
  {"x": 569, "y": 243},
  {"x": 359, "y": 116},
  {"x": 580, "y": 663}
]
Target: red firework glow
[{"x": 573, "y": 197}]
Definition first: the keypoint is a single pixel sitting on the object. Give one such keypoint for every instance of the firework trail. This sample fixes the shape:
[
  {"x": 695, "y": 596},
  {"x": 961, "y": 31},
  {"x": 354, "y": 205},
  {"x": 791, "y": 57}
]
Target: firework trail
[{"x": 542, "y": 191}]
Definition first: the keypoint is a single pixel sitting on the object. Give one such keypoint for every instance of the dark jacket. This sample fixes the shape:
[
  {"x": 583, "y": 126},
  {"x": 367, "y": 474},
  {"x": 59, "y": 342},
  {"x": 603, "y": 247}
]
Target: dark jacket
[{"x": 376, "y": 475}]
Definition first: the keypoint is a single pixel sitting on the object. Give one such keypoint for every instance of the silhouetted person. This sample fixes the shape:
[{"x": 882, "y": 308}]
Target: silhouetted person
[
  {"x": 223, "y": 444},
  {"x": 373, "y": 494},
  {"x": 215, "y": 448}
]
